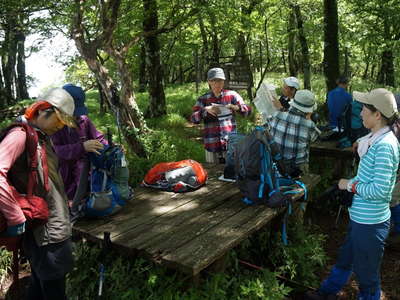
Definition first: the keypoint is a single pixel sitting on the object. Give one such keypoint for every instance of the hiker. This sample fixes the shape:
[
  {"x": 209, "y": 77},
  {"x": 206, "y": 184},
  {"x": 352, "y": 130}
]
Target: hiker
[
  {"x": 337, "y": 100},
  {"x": 294, "y": 131},
  {"x": 369, "y": 213},
  {"x": 217, "y": 109},
  {"x": 289, "y": 89},
  {"x": 48, "y": 246},
  {"x": 72, "y": 146}
]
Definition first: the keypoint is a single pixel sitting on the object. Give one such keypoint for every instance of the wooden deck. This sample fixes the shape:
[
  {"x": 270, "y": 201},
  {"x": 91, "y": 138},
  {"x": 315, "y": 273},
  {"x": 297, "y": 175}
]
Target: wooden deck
[{"x": 187, "y": 231}]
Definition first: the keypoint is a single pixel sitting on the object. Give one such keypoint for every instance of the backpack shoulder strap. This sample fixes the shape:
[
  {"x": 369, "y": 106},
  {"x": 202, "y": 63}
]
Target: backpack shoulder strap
[{"x": 31, "y": 146}]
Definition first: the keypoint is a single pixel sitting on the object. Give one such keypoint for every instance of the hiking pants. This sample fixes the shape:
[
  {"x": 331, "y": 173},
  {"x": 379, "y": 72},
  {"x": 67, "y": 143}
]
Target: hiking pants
[
  {"x": 395, "y": 210},
  {"x": 362, "y": 254},
  {"x": 46, "y": 289}
]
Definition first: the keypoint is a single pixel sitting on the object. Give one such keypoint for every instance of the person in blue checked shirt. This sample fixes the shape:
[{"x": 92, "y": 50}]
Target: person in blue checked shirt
[
  {"x": 294, "y": 130},
  {"x": 369, "y": 213}
]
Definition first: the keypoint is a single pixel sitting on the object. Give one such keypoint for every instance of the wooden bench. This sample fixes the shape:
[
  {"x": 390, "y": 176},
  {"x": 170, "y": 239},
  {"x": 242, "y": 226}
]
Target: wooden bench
[
  {"x": 187, "y": 231},
  {"x": 327, "y": 149}
]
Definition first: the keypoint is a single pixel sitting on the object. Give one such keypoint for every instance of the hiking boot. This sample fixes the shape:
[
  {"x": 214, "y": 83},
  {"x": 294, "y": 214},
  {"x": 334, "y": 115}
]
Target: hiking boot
[{"x": 316, "y": 295}]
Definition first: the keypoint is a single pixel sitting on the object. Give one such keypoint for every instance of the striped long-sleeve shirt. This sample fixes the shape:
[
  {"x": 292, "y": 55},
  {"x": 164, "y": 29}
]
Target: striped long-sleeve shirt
[
  {"x": 216, "y": 130},
  {"x": 376, "y": 178}
]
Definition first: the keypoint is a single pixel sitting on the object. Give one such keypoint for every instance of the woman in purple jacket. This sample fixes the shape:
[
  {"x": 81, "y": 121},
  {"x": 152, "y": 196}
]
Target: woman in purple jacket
[{"x": 72, "y": 146}]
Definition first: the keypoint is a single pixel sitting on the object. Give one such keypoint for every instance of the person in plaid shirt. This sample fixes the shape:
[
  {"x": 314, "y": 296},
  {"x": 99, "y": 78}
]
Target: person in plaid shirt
[
  {"x": 294, "y": 130},
  {"x": 217, "y": 108}
]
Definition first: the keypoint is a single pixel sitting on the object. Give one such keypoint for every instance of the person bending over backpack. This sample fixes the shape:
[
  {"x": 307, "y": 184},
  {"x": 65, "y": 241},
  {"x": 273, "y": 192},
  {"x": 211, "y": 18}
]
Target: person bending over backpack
[
  {"x": 294, "y": 130},
  {"x": 369, "y": 213},
  {"x": 48, "y": 246},
  {"x": 216, "y": 108},
  {"x": 72, "y": 146}
]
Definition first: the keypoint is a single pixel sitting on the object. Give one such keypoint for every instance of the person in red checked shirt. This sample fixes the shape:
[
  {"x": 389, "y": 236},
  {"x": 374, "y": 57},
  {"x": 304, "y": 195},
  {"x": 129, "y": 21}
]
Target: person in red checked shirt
[{"x": 217, "y": 109}]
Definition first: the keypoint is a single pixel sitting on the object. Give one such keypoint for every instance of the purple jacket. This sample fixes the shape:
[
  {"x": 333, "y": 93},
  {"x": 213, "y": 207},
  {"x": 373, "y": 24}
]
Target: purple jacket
[{"x": 68, "y": 145}]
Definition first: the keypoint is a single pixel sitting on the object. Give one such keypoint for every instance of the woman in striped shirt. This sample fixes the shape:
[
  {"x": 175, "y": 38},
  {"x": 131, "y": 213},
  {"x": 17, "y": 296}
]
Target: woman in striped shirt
[{"x": 369, "y": 213}]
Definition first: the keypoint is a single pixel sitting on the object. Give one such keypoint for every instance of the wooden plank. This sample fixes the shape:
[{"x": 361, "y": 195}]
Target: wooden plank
[
  {"x": 199, "y": 253},
  {"x": 190, "y": 230},
  {"x": 148, "y": 207},
  {"x": 174, "y": 222},
  {"x": 329, "y": 149}
]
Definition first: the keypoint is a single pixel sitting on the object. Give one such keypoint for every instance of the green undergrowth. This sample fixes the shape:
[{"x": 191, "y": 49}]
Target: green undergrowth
[{"x": 277, "y": 271}]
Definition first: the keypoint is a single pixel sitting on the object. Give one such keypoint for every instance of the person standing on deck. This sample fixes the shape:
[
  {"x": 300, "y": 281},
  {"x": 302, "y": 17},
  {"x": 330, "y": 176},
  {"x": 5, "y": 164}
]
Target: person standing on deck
[{"x": 217, "y": 109}]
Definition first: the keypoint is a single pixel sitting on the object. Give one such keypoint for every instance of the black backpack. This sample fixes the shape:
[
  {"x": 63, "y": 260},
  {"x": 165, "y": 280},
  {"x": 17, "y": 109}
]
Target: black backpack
[
  {"x": 352, "y": 125},
  {"x": 257, "y": 174}
]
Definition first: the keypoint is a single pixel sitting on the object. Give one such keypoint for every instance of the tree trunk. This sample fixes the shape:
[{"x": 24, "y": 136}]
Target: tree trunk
[
  {"x": 304, "y": 48},
  {"x": 204, "y": 49},
  {"x": 142, "y": 69},
  {"x": 157, "y": 105},
  {"x": 346, "y": 69},
  {"x": 129, "y": 118},
  {"x": 241, "y": 52},
  {"x": 22, "y": 90},
  {"x": 214, "y": 60},
  {"x": 331, "y": 44},
  {"x": 284, "y": 61},
  {"x": 291, "y": 44},
  {"x": 386, "y": 72},
  {"x": 9, "y": 59}
]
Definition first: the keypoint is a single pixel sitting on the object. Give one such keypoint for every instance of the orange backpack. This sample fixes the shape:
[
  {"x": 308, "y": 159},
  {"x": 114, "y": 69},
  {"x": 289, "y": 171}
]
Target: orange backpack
[{"x": 181, "y": 176}]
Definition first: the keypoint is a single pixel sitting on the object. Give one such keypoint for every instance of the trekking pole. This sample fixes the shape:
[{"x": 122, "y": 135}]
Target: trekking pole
[
  {"x": 101, "y": 280},
  {"x": 338, "y": 215}
]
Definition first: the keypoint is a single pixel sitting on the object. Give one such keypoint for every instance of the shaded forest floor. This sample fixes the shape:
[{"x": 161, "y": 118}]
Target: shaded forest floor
[{"x": 390, "y": 269}]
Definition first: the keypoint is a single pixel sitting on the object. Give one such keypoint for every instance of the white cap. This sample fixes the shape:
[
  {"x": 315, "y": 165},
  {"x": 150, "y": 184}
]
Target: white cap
[
  {"x": 64, "y": 103},
  {"x": 304, "y": 100},
  {"x": 292, "y": 82},
  {"x": 382, "y": 99}
]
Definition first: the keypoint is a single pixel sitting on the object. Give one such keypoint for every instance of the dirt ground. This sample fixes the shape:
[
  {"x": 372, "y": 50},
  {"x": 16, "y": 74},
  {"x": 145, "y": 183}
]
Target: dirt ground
[{"x": 390, "y": 270}]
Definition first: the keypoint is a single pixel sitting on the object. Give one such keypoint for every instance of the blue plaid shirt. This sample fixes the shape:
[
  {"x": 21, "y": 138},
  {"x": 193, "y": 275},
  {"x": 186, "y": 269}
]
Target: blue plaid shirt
[{"x": 294, "y": 134}]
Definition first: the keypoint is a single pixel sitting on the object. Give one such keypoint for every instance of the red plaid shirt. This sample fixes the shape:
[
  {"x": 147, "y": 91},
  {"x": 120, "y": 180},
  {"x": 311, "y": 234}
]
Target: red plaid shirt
[{"x": 216, "y": 130}]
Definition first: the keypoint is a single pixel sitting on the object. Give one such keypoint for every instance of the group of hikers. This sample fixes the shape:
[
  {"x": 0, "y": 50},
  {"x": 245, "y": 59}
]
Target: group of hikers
[
  {"x": 293, "y": 129},
  {"x": 65, "y": 135}
]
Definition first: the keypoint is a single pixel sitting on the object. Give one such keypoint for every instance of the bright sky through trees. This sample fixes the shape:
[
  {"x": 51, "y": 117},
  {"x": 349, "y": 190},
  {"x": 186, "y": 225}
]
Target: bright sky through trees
[{"x": 44, "y": 67}]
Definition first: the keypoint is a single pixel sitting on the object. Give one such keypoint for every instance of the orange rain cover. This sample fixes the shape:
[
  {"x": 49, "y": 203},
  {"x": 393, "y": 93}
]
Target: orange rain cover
[{"x": 157, "y": 172}]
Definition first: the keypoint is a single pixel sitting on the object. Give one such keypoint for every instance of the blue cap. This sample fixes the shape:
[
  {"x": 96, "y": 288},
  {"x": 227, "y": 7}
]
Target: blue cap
[{"x": 79, "y": 97}]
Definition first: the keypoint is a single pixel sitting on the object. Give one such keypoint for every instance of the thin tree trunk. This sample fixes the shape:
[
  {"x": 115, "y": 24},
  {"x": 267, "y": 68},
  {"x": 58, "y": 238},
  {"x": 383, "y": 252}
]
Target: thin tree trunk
[
  {"x": 204, "y": 49},
  {"x": 157, "y": 105},
  {"x": 22, "y": 90},
  {"x": 346, "y": 69},
  {"x": 214, "y": 61},
  {"x": 304, "y": 48},
  {"x": 9, "y": 61},
  {"x": 292, "y": 44},
  {"x": 331, "y": 43}
]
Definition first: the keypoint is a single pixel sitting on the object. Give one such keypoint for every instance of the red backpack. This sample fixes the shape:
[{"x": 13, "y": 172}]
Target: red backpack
[
  {"x": 34, "y": 208},
  {"x": 181, "y": 176}
]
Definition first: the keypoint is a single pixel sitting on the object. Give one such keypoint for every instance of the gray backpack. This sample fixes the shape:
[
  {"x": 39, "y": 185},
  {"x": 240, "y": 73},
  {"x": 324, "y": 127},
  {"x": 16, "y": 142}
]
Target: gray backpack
[{"x": 257, "y": 175}]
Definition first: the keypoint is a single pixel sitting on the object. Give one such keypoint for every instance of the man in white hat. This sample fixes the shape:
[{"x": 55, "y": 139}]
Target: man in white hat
[
  {"x": 217, "y": 109},
  {"x": 294, "y": 130},
  {"x": 47, "y": 246},
  {"x": 290, "y": 86}
]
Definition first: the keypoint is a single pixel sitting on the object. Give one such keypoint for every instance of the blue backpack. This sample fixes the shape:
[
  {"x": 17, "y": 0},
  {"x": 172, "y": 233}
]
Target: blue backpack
[
  {"x": 109, "y": 189},
  {"x": 257, "y": 173}
]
